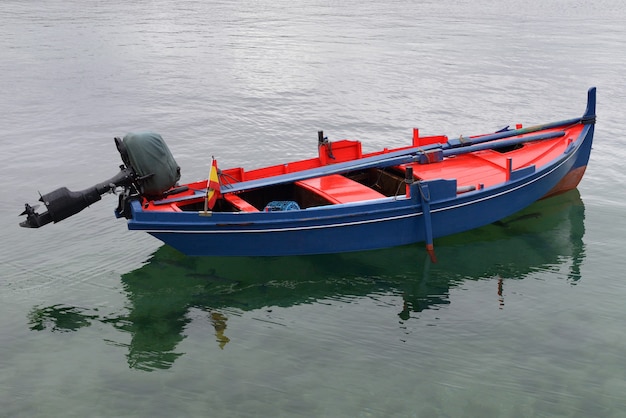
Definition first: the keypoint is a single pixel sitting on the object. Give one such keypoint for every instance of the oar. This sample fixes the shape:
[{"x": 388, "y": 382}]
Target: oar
[
  {"x": 465, "y": 142},
  {"x": 383, "y": 160},
  {"x": 501, "y": 144}
]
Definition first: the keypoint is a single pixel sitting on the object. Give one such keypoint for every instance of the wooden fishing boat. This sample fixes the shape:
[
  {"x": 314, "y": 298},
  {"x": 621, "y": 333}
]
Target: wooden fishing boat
[{"x": 342, "y": 200}]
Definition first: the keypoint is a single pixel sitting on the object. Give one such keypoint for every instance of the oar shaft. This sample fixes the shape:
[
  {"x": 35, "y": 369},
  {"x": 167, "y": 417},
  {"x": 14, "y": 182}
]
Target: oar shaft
[
  {"x": 465, "y": 142},
  {"x": 382, "y": 160},
  {"x": 501, "y": 144}
]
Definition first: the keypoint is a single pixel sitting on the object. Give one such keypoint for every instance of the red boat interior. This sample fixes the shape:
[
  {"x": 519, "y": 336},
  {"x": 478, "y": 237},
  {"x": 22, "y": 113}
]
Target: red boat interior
[{"x": 475, "y": 170}]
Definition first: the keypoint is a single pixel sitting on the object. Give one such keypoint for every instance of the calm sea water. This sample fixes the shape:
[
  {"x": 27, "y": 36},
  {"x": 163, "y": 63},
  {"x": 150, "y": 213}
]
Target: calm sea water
[{"x": 518, "y": 319}]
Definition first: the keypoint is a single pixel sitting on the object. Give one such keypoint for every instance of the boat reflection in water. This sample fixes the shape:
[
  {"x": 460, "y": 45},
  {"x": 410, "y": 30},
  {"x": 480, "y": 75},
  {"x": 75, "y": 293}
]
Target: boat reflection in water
[{"x": 161, "y": 293}]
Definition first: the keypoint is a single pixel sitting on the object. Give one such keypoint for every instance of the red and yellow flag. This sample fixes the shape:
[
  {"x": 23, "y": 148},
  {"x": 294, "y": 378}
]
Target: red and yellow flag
[{"x": 213, "y": 186}]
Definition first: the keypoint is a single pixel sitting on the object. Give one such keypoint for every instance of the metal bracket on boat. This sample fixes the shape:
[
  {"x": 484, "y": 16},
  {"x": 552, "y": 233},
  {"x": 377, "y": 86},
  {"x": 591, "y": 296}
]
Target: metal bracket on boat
[
  {"x": 322, "y": 141},
  {"x": 408, "y": 175},
  {"x": 408, "y": 180},
  {"x": 123, "y": 204}
]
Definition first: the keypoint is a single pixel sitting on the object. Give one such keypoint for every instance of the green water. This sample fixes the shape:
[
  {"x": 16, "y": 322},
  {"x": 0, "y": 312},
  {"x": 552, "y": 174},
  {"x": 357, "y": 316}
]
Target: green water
[{"x": 501, "y": 325}]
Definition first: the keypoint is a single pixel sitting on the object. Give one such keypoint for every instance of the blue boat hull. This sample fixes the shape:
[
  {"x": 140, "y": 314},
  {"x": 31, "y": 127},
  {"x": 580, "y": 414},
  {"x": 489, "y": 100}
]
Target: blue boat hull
[{"x": 432, "y": 209}]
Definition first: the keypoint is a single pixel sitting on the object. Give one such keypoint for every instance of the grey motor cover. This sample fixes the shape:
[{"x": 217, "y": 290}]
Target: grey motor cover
[{"x": 149, "y": 155}]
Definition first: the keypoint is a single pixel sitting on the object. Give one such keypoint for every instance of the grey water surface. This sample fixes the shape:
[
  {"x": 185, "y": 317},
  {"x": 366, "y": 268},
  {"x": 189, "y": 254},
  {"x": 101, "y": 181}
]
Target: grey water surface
[{"x": 522, "y": 318}]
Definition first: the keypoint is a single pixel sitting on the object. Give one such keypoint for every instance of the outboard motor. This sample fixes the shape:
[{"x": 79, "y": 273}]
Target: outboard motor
[{"x": 149, "y": 170}]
